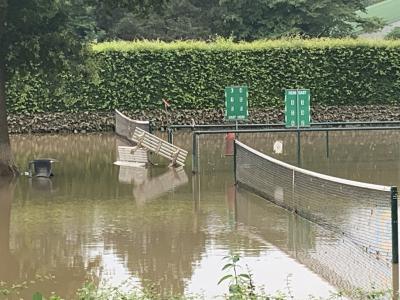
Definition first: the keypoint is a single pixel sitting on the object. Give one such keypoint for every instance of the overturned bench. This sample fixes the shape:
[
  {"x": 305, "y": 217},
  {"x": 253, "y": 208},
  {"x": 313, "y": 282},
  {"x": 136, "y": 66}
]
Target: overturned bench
[
  {"x": 176, "y": 155},
  {"x": 131, "y": 156}
]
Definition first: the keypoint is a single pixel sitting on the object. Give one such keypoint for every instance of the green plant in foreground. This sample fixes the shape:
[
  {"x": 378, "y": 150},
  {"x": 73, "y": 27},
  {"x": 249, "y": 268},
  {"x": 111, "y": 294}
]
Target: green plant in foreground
[
  {"x": 241, "y": 284},
  {"x": 39, "y": 296},
  {"x": 91, "y": 292},
  {"x": 241, "y": 287}
]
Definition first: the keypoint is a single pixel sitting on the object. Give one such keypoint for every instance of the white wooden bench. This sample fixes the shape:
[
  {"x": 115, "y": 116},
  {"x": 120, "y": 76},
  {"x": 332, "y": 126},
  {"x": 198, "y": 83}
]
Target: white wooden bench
[
  {"x": 131, "y": 156},
  {"x": 176, "y": 155},
  {"x": 125, "y": 126},
  {"x": 128, "y": 155}
]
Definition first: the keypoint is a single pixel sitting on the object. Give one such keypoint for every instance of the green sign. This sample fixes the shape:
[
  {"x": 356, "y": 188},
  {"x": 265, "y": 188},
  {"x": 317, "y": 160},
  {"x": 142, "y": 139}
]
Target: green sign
[
  {"x": 297, "y": 108},
  {"x": 236, "y": 104}
]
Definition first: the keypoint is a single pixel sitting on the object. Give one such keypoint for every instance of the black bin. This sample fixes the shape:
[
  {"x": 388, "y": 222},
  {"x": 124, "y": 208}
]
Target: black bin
[{"x": 42, "y": 167}]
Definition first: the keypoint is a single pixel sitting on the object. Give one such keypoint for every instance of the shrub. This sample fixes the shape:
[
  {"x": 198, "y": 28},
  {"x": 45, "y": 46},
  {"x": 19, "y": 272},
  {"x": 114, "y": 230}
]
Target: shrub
[{"x": 193, "y": 74}]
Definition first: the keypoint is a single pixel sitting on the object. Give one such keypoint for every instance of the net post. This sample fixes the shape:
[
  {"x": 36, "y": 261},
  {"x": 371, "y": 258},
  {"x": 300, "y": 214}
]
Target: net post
[
  {"x": 327, "y": 143},
  {"x": 194, "y": 153},
  {"x": 395, "y": 229},
  {"x": 298, "y": 148},
  {"x": 234, "y": 161},
  {"x": 170, "y": 135},
  {"x": 395, "y": 281}
]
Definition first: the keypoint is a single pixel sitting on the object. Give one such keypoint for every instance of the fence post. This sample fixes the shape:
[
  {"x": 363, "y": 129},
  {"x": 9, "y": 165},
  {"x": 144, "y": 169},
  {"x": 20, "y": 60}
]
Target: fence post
[
  {"x": 298, "y": 149},
  {"x": 395, "y": 229},
  {"x": 327, "y": 143},
  {"x": 234, "y": 161},
  {"x": 170, "y": 135},
  {"x": 395, "y": 281},
  {"x": 194, "y": 153}
]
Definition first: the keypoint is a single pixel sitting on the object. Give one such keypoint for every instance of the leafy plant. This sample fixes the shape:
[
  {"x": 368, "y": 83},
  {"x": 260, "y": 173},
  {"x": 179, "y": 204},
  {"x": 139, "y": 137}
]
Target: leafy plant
[
  {"x": 240, "y": 284},
  {"x": 241, "y": 287}
]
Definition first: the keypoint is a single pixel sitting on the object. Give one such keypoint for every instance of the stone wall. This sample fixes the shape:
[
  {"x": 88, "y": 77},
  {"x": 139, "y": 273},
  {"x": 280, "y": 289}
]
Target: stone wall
[{"x": 83, "y": 122}]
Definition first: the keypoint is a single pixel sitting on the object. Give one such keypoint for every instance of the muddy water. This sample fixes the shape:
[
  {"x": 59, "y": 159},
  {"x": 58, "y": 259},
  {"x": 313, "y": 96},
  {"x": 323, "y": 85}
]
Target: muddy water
[{"x": 113, "y": 225}]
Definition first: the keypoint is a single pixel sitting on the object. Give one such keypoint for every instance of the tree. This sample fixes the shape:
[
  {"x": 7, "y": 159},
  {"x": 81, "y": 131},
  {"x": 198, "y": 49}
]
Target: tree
[
  {"x": 240, "y": 19},
  {"x": 32, "y": 32},
  {"x": 51, "y": 36},
  {"x": 5, "y": 149},
  {"x": 394, "y": 34},
  {"x": 180, "y": 19},
  {"x": 254, "y": 19},
  {"x": 109, "y": 13}
]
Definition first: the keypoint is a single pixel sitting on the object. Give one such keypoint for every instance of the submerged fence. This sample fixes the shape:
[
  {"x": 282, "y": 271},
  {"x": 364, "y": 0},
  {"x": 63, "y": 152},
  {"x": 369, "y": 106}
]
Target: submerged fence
[{"x": 364, "y": 213}]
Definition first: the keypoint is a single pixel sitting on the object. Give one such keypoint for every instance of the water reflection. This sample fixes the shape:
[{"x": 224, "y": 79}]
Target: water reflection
[
  {"x": 67, "y": 226},
  {"x": 94, "y": 219},
  {"x": 28, "y": 255},
  {"x": 9, "y": 265},
  {"x": 41, "y": 185},
  {"x": 147, "y": 184},
  {"x": 158, "y": 245},
  {"x": 132, "y": 175},
  {"x": 156, "y": 186},
  {"x": 83, "y": 170},
  {"x": 337, "y": 259}
]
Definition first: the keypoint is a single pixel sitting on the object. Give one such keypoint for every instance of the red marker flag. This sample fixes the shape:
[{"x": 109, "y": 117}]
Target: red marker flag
[{"x": 166, "y": 103}]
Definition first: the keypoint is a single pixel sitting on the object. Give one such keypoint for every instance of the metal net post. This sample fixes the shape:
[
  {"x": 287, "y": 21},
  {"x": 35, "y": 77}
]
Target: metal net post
[
  {"x": 395, "y": 230},
  {"x": 194, "y": 153}
]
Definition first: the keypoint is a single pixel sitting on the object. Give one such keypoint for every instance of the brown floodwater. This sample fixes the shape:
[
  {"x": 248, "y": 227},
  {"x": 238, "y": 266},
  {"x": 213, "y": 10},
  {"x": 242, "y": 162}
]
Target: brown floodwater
[{"x": 95, "y": 221}]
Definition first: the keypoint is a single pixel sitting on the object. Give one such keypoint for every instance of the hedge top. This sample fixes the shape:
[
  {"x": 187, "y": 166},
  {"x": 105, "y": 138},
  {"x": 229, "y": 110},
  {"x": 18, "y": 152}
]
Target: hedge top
[{"x": 229, "y": 45}]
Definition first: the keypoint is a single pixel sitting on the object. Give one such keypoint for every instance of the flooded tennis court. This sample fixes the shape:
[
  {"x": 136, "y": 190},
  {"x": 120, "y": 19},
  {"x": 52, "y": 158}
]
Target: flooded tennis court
[{"x": 111, "y": 225}]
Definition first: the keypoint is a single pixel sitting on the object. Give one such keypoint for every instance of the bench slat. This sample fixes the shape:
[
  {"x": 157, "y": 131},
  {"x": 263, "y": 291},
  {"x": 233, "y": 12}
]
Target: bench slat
[{"x": 159, "y": 146}]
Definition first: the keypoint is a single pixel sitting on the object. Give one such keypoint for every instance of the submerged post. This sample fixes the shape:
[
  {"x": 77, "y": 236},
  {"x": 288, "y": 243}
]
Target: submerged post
[
  {"x": 395, "y": 229},
  {"x": 170, "y": 135},
  {"x": 234, "y": 161},
  {"x": 194, "y": 153},
  {"x": 395, "y": 281},
  {"x": 327, "y": 143},
  {"x": 298, "y": 148}
]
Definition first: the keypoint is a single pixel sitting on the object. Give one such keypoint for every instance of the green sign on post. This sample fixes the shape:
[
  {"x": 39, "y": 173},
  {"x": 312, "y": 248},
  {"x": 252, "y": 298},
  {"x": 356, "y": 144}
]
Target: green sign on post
[
  {"x": 236, "y": 103},
  {"x": 297, "y": 108}
]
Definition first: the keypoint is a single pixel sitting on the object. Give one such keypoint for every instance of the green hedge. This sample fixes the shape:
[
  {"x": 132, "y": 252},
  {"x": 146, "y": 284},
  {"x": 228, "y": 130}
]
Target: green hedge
[{"x": 138, "y": 75}]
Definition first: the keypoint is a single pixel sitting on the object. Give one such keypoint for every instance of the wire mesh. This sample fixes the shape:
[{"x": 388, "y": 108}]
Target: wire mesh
[
  {"x": 358, "y": 211},
  {"x": 338, "y": 260}
]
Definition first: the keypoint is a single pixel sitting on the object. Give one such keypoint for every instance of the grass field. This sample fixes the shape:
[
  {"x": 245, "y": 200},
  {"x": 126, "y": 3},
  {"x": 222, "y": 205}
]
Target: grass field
[{"x": 388, "y": 10}]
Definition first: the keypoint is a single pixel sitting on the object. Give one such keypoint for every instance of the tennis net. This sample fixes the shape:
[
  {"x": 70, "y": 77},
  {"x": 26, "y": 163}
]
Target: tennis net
[{"x": 364, "y": 213}]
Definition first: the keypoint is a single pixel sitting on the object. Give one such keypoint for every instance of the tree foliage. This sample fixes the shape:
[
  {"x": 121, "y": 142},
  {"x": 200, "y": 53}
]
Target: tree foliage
[
  {"x": 54, "y": 33},
  {"x": 242, "y": 20},
  {"x": 47, "y": 37},
  {"x": 253, "y": 19},
  {"x": 41, "y": 32},
  {"x": 372, "y": 2},
  {"x": 35, "y": 33},
  {"x": 394, "y": 34}
]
